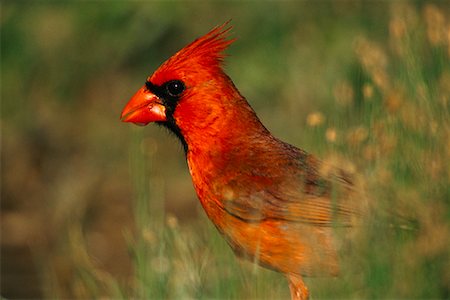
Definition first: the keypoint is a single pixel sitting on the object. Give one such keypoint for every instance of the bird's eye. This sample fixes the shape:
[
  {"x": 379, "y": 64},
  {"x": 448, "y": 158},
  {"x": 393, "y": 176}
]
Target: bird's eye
[{"x": 175, "y": 88}]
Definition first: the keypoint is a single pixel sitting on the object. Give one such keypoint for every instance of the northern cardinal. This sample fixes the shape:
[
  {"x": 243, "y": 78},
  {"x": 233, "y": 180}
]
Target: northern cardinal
[{"x": 273, "y": 203}]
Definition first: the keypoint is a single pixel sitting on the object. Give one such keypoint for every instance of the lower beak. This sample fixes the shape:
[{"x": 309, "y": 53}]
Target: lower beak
[{"x": 143, "y": 108}]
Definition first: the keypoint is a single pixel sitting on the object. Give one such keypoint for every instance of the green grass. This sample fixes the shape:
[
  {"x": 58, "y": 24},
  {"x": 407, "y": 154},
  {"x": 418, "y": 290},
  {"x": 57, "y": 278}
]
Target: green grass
[{"x": 115, "y": 211}]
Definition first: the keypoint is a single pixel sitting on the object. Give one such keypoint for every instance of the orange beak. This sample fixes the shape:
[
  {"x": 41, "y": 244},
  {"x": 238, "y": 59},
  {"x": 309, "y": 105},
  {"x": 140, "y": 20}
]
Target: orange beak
[{"x": 144, "y": 107}]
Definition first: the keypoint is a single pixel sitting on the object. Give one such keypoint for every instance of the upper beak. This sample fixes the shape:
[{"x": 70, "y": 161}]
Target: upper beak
[{"x": 144, "y": 107}]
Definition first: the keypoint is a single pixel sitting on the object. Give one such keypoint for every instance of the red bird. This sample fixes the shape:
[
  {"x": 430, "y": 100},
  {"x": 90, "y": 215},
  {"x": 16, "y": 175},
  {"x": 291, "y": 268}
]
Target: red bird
[{"x": 273, "y": 203}]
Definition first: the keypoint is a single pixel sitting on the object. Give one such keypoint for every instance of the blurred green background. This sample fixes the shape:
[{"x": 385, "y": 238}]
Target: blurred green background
[{"x": 95, "y": 208}]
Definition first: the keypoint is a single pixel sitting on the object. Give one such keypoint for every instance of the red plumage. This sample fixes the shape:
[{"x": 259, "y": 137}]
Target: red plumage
[{"x": 273, "y": 203}]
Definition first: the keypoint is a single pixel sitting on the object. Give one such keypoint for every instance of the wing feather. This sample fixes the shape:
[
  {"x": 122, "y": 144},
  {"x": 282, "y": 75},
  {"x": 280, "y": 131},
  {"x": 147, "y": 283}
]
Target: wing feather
[{"x": 303, "y": 196}]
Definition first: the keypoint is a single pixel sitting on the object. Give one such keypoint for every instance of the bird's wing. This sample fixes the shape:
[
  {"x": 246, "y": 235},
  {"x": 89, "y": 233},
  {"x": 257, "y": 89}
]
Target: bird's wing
[{"x": 301, "y": 197}]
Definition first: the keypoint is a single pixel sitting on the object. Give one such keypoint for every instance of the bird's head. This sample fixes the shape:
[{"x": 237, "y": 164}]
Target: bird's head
[{"x": 189, "y": 89}]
